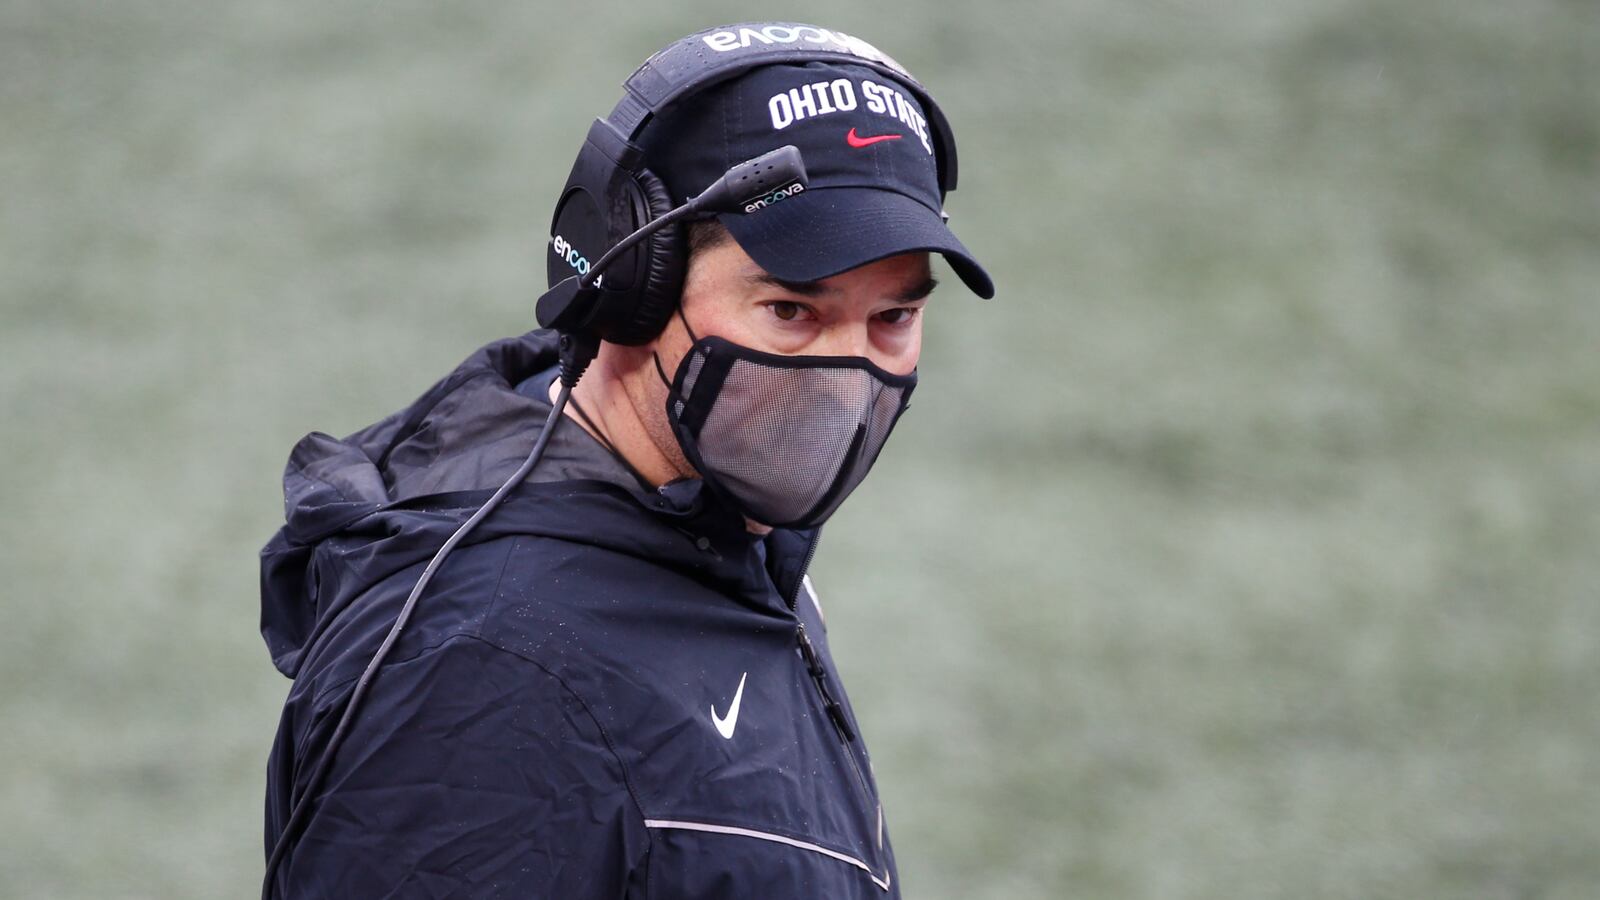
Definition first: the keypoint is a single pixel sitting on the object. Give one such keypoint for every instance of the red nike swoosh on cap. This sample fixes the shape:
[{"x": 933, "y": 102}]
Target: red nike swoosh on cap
[{"x": 856, "y": 140}]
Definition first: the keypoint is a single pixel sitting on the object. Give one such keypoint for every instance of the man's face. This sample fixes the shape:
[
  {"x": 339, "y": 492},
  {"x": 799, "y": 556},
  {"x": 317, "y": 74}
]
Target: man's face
[{"x": 874, "y": 312}]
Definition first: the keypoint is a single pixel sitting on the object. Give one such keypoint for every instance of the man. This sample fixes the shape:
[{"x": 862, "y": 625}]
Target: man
[{"x": 619, "y": 683}]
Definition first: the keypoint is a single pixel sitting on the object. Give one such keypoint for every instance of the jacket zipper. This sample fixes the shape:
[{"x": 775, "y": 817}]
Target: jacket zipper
[
  {"x": 819, "y": 677},
  {"x": 819, "y": 674},
  {"x": 836, "y": 715}
]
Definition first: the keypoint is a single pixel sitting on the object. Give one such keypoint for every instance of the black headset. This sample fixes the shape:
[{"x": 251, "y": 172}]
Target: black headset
[{"x": 611, "y": 191}]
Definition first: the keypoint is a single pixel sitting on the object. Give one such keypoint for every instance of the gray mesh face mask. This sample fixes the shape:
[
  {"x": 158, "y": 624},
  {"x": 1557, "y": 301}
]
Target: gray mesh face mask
[{"x": 783, "y": 438}]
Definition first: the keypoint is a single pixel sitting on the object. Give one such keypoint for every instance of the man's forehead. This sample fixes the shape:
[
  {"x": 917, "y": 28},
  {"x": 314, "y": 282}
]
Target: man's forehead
[{"x": 906, "y": 277}]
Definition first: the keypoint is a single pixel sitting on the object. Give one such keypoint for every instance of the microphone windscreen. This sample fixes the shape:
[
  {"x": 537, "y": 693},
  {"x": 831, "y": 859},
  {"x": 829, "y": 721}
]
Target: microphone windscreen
[{"x": 740, "y": 189}]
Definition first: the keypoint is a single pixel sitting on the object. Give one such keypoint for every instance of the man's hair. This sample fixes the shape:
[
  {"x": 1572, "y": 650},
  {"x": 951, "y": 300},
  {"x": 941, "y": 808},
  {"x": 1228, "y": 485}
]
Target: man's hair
[{"x": 707, "y": 234}]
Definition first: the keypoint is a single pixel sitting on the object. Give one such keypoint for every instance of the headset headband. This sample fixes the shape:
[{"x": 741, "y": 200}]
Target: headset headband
[{"x": 704, "y": 58}]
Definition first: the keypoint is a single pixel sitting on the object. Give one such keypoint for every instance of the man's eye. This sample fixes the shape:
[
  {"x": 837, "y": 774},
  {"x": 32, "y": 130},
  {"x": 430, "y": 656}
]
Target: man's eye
[
  {"x": 785, "y": 310},
  {"x": 900, "y": 315}
]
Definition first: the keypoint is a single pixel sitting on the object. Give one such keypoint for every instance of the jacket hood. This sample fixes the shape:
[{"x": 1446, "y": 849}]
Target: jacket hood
[{"x": 364, "y": 507}]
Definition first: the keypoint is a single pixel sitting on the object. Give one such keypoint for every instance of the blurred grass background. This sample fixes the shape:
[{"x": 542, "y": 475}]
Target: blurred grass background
[{"x": 1245, "y": 546}]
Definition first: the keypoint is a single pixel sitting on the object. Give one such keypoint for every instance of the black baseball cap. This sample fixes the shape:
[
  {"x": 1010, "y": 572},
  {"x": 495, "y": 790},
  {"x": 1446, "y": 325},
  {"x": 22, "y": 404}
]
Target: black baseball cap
[{"x": 873, "y": 185}]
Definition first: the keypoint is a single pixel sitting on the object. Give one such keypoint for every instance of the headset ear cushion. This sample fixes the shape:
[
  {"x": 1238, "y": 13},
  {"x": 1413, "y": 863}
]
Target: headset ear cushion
[{"x": 665, "y": 257}]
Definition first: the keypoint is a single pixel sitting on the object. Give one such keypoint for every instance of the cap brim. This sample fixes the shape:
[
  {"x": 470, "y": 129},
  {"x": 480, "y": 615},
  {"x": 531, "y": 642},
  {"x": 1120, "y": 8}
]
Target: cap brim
[{"x": 819, "y": 233}]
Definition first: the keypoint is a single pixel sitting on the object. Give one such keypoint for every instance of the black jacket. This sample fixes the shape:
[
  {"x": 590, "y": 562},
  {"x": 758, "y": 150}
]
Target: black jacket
[{"x": 551, "y": 723}]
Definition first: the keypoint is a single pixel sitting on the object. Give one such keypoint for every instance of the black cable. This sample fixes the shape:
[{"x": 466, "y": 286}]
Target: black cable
[
  {"x": 693, "y": 207},
  {"x": 600, "y": 438},
  {"x": 301, "y": 808}
]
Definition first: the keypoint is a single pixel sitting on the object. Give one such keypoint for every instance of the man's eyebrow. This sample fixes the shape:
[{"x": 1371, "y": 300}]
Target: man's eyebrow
[
  {"x": 803, "y": 288},
  {"x": 912, "y": 294},
  {"x": 918, "y": 291}
]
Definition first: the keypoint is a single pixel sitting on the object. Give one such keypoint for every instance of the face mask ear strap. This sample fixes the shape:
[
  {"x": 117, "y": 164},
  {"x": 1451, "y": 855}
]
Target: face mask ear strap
[
  {"x": 661, "y": 372},
  {"x": 693, "y": 338}
]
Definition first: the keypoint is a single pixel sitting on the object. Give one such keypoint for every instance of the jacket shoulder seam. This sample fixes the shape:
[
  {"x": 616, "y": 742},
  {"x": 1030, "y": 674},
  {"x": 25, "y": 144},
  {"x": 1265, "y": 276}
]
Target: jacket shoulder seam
[{"x": 611, "y": 748}]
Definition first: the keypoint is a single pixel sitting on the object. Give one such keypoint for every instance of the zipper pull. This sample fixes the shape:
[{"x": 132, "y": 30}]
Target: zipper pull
[{"x": 834, "y": 709}]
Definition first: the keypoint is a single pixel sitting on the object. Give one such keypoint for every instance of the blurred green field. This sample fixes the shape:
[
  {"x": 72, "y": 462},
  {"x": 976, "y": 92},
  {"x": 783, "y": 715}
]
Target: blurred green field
[{"x": 1245, "y": 546}]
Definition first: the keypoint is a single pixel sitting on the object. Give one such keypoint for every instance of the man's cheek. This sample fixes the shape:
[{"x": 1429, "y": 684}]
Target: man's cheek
[
  {"x": 898, "y": 351},
  {"x": 766, "y": 332}
]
